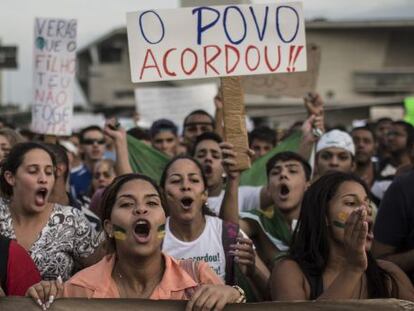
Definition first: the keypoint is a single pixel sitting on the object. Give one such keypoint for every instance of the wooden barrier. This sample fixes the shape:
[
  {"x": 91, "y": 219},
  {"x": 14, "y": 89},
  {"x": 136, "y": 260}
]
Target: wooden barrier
[{"x": 26, "y": 304}]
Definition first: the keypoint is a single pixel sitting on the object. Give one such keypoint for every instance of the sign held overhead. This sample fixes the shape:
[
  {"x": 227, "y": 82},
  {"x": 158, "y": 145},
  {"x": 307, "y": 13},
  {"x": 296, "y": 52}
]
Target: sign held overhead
[
  {"x": 216, "y": 41},
  {"x": 53, "y": 75}
]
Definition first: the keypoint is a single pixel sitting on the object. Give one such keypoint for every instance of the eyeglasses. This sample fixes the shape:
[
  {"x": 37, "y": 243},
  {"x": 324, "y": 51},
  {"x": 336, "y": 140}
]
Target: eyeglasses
[
  {"x": 91, "y": 141},
  {"x": 104, "y": 174}
]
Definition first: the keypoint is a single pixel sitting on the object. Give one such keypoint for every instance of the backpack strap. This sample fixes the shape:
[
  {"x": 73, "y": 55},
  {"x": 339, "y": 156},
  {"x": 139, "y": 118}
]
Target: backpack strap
[
  {"x": 192, "y": 268},
  {"x": 4, "y": 259},
  {"x": 229, "y": 236}
]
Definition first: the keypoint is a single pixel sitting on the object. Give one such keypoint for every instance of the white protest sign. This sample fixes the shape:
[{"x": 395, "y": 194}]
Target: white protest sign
[
  {"x": 216, "y": 41},
  {"x": 174, "y": 103},
  {"x": 53, "y": 75}
]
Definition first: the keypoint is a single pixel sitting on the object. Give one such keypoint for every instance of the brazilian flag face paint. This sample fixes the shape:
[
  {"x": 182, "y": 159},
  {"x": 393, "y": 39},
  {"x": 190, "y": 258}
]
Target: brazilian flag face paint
[
  {"x": 342, "y": 216},
  {"x": 161, "y": 231},
  {"x": 119, "y": 232}
]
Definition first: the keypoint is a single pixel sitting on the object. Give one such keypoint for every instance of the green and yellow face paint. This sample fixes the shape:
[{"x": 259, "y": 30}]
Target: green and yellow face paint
[
  {"x": 161, "y": 231},
  {"x": 342, "y": 216},
  {"x": 119, "y": 232}
]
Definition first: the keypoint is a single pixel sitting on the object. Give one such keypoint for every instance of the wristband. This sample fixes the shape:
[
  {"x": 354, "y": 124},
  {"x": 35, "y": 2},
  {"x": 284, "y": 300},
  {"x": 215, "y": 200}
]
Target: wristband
[{"x": 242, "y": 298}]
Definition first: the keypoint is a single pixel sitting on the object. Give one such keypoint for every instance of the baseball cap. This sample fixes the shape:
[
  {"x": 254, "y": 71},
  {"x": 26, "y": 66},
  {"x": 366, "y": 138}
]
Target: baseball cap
[{"x": 338, "y": 139}]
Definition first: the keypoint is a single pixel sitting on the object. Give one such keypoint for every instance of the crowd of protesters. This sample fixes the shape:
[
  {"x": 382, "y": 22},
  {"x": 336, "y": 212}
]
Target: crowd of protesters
[{"x": 334, "y": 218}]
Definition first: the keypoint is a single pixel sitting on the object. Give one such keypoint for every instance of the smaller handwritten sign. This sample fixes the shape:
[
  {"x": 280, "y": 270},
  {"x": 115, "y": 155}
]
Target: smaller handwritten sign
[
  {"x": 295, "y": 84},
  {"x": 54, "y": 69},
  {"x": 174, "y": 103}
]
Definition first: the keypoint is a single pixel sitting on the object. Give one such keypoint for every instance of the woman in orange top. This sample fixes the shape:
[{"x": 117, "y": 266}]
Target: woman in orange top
[{"x": 133, "y": 219}]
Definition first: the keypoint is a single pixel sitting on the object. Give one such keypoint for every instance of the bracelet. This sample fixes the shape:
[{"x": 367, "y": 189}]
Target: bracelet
[{"x": 242, "y": 298}]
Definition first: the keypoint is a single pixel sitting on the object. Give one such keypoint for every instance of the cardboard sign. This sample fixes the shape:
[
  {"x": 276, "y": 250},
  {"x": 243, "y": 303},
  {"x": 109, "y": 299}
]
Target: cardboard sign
[
  {"x": 296, "y": 84},
  {"x": 216, "y": 41},
  {"x": 18, "y": 304},
  {"x": 174, "y": 103},
  {"x": 54, "y": 69}
]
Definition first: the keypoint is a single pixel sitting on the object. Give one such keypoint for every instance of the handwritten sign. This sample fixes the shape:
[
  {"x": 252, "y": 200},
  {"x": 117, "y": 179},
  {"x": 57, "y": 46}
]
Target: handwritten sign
[
  {"x": 54, "y": 69},
  {"x": 175, "y": 103},
  {"x": 216, "y": 41},
  {"x": 296, "y": 84}
]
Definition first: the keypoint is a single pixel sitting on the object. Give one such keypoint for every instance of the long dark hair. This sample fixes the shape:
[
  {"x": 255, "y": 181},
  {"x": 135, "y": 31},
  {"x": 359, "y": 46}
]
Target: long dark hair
[
  {"x": 15, "y": 158},
  {"x": 205, "y": 210},
  {"x": 310, "y": 244}
]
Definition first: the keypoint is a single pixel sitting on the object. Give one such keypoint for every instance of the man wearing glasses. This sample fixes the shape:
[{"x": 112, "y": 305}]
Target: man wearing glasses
[{"x": 92, "y": 148}]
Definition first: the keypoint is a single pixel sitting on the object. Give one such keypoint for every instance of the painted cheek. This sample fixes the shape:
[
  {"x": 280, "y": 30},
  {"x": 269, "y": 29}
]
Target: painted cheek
[
  {"x": 119, "y": 232},
  {"x": 341, "y": 219}
]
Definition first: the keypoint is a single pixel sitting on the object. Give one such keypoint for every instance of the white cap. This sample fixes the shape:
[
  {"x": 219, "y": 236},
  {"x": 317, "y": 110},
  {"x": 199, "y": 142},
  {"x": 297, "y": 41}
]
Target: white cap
[
  {"x": 338, "y": 139},
  {"x": 69, "y": 146}
]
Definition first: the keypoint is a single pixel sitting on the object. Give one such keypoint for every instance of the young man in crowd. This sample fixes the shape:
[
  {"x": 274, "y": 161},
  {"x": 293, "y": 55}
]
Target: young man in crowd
[
  {"x": 196, "y": 123},
  {"x": 335, "y": 151},
  {"x": 288, "y": 178},
  {"x": 382, "y": 127},
  {"x": 92, "y": 148},
  {"x": 164, "y": 138},
  {"x": 400, "y": 139},
  {"x": 365, "y": 148},
  {"x": 261, "y": 141},
  {"x": 208, "y": 153}
]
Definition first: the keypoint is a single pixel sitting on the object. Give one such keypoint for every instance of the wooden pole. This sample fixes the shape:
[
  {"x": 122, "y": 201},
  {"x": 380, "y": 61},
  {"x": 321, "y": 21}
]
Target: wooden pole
[
  {"x": 50, "y": 139},
  {"x": 235, "y": 131}
]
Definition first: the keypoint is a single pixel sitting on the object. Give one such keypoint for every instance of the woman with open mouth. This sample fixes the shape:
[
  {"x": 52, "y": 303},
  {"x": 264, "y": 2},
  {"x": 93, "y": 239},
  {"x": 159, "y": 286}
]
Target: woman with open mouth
[
  {"x": 55, "y": 236},
  {"x": 330, "y": 257},
  {"x": 192, "y": 231},
  {"x": 134, "y": 219}
]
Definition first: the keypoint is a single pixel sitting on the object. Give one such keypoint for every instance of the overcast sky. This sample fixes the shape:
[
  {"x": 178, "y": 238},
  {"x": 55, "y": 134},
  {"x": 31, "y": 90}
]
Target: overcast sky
[{"x": 96, "y": 17}]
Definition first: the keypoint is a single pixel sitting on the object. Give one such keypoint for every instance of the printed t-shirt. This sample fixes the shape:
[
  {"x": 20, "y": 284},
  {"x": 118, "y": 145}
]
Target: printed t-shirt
[{"x": 208, "y": 247}]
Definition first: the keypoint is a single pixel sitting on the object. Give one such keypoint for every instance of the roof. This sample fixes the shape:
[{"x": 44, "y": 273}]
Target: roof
[{"x": 357, "y": 24}]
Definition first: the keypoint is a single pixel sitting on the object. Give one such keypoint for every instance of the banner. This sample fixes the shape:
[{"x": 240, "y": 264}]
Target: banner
[
  {"x": 216, "y": 41},
  {"x": 296, "y": 84},
  {"x": 174, "y": 103},
  {"x": 26, "y": 304},
  {"x": 53, "y": 75}
]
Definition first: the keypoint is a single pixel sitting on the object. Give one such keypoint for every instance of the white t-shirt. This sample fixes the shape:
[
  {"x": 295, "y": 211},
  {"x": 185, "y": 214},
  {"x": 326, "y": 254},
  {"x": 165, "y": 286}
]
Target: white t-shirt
[
  {"x": 249, "y": 198},
  {"x": 207, "y": 247}
]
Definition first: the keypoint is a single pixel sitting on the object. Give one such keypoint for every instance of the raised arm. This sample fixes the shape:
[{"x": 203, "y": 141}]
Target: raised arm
[
  {"x": 118, "y": 134},
  {"x": 314, "y": 125},
  {"x": 229, "y": 210}
]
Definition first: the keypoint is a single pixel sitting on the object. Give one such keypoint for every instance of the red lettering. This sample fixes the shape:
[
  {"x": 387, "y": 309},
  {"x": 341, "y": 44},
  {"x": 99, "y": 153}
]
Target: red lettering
[
  {"x": 267, "y": 59},
  {"x": 250, "y": 47},
  {"x": 237, "y": 53},
  {"x": 164, "y": 63},
  {"x": 154, "y": 65},
  {"x": 188, "y": 72},
  {"x": 209, "y": 60}
]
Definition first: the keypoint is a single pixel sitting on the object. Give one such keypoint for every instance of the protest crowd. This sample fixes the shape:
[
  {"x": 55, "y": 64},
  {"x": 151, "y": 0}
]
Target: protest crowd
[
  {"x": 324, "y": 212},
  {"x": 332, "y": 219}
]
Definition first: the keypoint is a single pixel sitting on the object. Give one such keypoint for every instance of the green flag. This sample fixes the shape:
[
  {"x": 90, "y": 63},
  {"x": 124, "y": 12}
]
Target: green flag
[
  {"x": 409, "y": 110},
  {"x": 256, "y": 175},
  {"x": 146, "y": 160}
]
